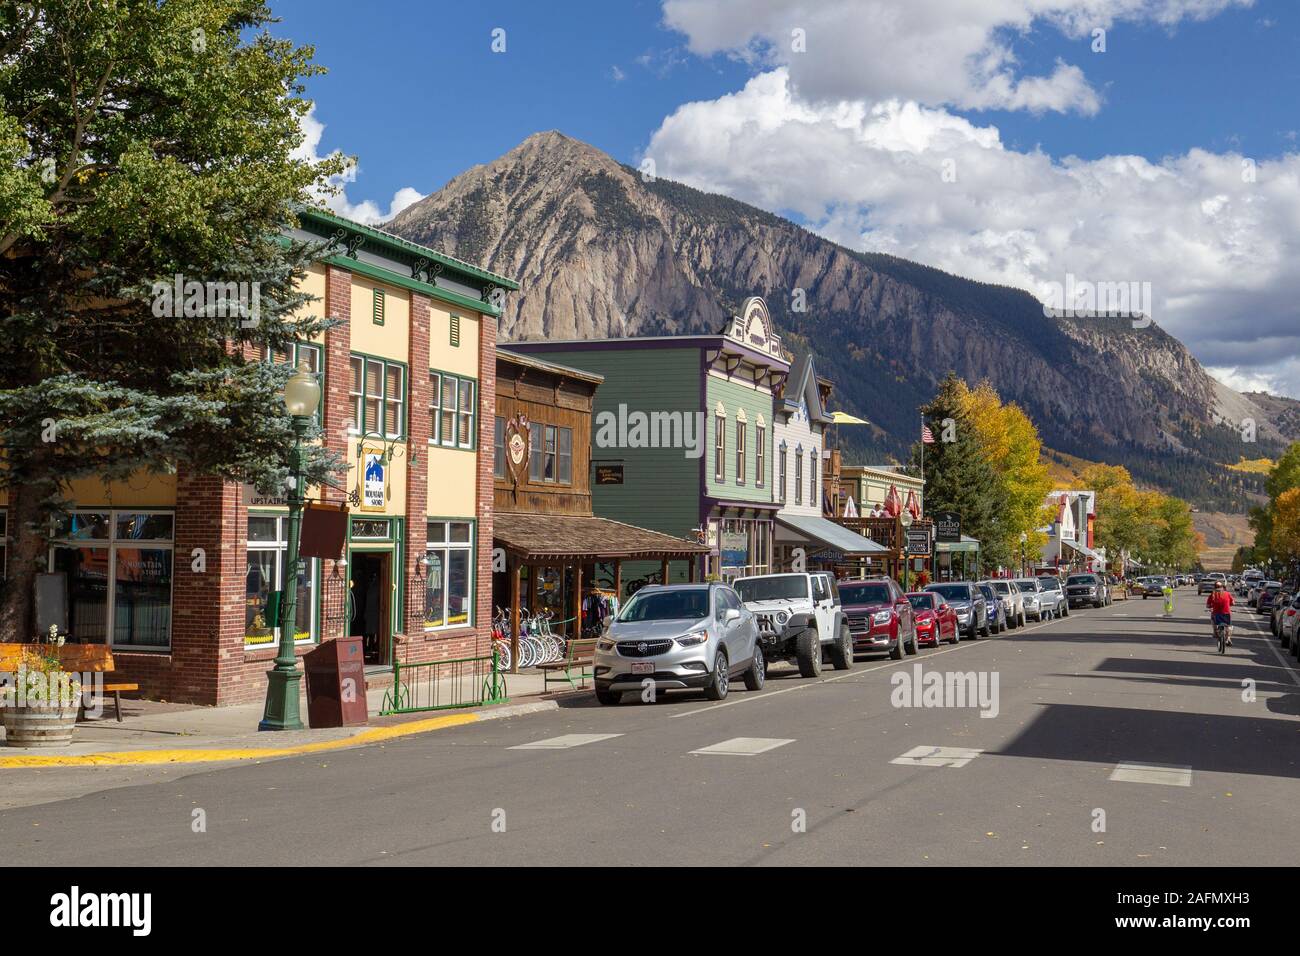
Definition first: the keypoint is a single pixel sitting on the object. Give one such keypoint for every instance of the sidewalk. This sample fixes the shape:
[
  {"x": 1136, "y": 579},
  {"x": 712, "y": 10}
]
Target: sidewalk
[{"x": 153, "y": 732}]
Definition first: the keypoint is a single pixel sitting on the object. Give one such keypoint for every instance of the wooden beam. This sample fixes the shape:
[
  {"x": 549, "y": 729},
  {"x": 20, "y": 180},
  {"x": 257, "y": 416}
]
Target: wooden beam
[
  {"x": 514, "y": 615},
  {"x": 618, "y": 579},
  {"x": 577, "y": 600},
  {"x": 663, "y": 571}
]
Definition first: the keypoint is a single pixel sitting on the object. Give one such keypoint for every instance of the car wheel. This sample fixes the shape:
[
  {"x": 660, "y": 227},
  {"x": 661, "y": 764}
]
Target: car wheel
[
  {"x": 808, "y": 652},
  {"x": 987, "y": 629},
  {"x": 756, "y": 676},
  {"x": 717, "y": 688},
  {"x": 956, "y": 637},
  {"x": 608, "y": 697},
  {"x": 913, "y": 646},
  {"x": 1023, "y": 620},
  {"x": 841, "y": 652},
  {"x": 899, "y": 649}
]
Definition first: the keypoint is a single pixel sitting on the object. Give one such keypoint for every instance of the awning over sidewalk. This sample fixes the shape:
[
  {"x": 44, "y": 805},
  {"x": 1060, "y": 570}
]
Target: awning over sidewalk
[
  {"x": 831, "y": 535},
  {"x": 1083, "y": 549},
  {"x": 965, "y": 544},
  {"x": 540, "y": 537}
]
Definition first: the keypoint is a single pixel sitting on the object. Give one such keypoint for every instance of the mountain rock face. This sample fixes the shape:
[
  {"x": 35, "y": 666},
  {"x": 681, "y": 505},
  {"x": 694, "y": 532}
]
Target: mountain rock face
[{"x": 601, "y": 252}]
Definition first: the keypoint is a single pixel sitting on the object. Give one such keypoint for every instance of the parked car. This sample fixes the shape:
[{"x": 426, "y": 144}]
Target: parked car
[
  {"x": 997, "y": 610},
  {"x": 880, "y": 616},
  {"x": 800, "y": 619},
  {"x": 1266, "y": 596},
  {"x": 1283, "y": 601},
  {"x": 1290, "y": 624},
  {"x": 936, "y": 621},
  {"x": 1053, "y": 591},
  {"x": 679, "y": 635},
  {"x": 1011, "y": 599},
  {"x": 967, "y": 600},
  {"x": 1081, "y": 589},
  {"x": 1036, "y": 605}
]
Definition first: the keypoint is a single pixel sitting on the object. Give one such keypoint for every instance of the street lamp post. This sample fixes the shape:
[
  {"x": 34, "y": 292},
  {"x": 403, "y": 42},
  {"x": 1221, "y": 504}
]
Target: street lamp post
[
  {"x": 905, "y": 519},
  {"x": 301, "y": 396},
  {"x": 1024, "y": 538}
]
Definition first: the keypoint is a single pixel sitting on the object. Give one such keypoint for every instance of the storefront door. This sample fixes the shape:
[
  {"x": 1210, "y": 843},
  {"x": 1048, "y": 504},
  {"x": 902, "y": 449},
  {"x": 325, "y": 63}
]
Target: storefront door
[{"x": 370, "y": 612}]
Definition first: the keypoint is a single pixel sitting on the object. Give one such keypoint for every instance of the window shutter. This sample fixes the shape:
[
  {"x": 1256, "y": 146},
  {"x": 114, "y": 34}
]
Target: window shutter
[
  {"x": 379, "y": 307},
  {"x": 455, "y": 331}
]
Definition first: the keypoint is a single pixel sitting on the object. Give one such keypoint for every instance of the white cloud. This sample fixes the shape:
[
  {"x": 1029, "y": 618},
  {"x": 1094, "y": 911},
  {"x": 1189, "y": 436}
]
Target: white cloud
[
  {"x": 937, "y": 52},
  {"x": 1219, "y": 252},
  {"x": 367, "y": 211}
]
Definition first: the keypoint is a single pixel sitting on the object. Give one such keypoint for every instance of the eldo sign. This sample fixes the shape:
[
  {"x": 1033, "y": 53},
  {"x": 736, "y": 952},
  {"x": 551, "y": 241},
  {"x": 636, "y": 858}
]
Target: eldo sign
[{"x": 947, "y": 527}]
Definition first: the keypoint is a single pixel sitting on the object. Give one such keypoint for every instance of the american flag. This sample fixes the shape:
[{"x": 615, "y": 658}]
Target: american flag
[{"x": 927, "y": 436}]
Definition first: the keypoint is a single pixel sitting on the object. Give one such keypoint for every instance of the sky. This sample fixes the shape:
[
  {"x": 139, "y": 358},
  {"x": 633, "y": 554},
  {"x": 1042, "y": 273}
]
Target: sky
[{"x": 1011, "y": 141}]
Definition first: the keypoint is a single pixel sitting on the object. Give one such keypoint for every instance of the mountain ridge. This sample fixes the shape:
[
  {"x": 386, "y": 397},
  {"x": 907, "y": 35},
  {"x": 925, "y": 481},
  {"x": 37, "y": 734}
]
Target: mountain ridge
[{"x": 601, "y": 251}]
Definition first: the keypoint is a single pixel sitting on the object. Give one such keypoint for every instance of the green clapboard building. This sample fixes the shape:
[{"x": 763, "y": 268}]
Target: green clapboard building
[{"x": 682, "y": 435}]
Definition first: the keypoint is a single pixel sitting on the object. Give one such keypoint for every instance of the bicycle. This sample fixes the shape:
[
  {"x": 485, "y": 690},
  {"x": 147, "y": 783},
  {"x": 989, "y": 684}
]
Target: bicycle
[{"x": 1221, "y": 631}]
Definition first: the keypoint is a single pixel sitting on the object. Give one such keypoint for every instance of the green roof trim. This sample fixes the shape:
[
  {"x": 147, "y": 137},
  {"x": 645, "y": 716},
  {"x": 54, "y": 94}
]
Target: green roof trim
[
  {"x": 404, "y": 282},
  {"x": 403, "y": 249}
]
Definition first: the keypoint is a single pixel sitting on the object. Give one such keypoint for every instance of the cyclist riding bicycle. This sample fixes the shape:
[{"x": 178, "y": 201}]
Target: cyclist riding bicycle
[{"x": 1220, "y": 606}]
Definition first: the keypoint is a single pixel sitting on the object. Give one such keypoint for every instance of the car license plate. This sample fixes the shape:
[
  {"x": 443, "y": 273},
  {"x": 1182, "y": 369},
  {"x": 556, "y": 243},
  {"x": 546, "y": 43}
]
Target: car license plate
[{"x": 643, "y": 668}]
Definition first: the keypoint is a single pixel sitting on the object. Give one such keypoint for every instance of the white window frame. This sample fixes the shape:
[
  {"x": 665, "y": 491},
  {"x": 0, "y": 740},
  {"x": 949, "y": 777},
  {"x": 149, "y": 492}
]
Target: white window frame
[
  {"x": 446, "y": 546},
  {"x": 281, "y": 548},
  {"x": 459, "y": 411},
  {"x": 111, "y": 544}
]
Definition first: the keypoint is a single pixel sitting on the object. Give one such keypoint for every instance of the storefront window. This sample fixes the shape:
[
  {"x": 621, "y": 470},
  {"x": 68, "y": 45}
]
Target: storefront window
[
  {"x": 448, "y": 584},
  {"x": 133, "y": 550},
  {"x": 268, "y": 546},
  {"x": 499, "y": 448}
]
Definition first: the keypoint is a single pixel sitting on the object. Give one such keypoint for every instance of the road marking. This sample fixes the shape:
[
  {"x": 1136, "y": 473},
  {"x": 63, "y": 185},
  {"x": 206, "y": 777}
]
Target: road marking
[
  {"x": 564, "y": 742},
  {"x": 744, "y": 746},
  {"x": 931, "y": 756},
  {"x": 1165, "y": 774}
]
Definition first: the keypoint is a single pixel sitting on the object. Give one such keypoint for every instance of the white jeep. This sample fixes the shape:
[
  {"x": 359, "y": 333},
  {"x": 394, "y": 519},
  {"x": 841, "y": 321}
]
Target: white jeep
[{"x": 799, "y": 619}]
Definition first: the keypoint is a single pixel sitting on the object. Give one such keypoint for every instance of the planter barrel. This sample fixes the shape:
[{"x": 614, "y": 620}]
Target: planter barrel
[{"x": 39, "y": 726}]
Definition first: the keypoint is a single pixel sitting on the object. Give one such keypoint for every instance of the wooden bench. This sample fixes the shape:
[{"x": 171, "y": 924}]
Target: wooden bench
[
  {"x": 79, "y": 658},
  {"x": 578, "y": 653}
]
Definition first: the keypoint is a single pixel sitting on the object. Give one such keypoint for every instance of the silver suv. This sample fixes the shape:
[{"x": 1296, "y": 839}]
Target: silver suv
[{"x": 675, "y": 636}]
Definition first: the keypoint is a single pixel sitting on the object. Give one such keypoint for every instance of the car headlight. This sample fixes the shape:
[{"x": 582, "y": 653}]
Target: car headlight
[
  {"x": 782, "y": 617},
  {"x": 692, "y": 638},
  {"x": 881, "y": 617},
  {"x": 604, "y": 644}
]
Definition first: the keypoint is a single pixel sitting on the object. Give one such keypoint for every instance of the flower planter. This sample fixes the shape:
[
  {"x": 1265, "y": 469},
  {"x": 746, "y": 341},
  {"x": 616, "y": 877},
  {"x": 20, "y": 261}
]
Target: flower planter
[{"x": 32, "y": 726}]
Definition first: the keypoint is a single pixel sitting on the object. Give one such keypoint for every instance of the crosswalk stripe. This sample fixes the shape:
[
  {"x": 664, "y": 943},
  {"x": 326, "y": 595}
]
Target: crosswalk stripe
[
  {"x": 564, "y": 742},
  {"x": 1165, "y": 774},
  {"x": 743, "y": 746},
  {"x": 928, "y": 755}
]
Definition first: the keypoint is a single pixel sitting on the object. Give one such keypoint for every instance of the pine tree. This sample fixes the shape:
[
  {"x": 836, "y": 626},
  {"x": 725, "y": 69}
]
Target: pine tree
[
  {"x": 957, "y": 476},
  {"x": 142, "y": 143}
]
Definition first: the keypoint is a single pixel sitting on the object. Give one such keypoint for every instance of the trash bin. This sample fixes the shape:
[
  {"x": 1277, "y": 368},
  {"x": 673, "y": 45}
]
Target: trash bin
[{"x": 336, "y": 684}]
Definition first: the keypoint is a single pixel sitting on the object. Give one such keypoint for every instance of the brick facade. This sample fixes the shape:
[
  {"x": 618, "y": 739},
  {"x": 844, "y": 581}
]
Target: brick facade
[{"x": 208, "y": 661}]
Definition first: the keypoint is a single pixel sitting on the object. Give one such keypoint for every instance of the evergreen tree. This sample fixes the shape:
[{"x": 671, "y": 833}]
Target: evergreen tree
[
  {"x": 142, "y": 144},
  {"x": 958, "y": 478}
]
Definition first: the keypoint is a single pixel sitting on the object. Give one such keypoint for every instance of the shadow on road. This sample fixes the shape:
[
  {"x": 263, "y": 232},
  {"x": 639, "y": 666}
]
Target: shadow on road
[{"x": 1207, "y": 742}]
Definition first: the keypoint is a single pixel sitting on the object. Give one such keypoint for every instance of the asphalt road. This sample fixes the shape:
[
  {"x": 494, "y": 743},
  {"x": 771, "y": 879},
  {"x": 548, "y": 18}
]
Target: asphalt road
[{"x": 841, "y": 776}]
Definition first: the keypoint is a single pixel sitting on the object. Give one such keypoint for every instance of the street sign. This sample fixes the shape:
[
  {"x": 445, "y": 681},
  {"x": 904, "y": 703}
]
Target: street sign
[
  {"x": 947, "y": 527},
  {"x": 918, "y": 540}
]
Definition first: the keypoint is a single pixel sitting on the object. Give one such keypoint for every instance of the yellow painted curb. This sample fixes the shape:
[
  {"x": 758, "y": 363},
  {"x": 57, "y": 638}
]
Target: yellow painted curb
[{"x": 137, "y": 758}]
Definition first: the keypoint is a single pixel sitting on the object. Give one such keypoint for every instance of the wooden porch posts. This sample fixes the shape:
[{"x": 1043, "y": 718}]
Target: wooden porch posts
[{"x": 514, "y": 571}]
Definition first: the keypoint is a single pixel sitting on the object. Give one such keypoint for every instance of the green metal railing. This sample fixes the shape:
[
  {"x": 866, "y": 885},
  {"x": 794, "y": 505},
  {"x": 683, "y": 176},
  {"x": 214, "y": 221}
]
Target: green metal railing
[{"x": 443, "y": 685}]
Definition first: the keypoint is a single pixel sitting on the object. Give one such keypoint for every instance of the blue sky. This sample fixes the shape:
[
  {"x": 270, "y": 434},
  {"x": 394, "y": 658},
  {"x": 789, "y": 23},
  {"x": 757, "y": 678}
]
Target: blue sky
[{"x": 416, "y": 92}]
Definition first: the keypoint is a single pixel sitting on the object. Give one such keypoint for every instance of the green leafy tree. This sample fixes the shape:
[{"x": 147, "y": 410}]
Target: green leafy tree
[
  {"x": 958, "y": 476},
  {"x": 141, "y": 144}
]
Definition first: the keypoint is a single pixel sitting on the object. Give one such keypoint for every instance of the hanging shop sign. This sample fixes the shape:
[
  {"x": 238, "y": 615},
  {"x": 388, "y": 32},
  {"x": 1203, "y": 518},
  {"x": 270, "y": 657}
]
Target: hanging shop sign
[
  {"x": 609, "y": 474},
  {"x": 735, "y": 549},
  {"x": 517, "y": 448},
  {"x": 947, "y": 527},
  {"x": 918, "y": 540},
  {"x": 374, "y": 485}
]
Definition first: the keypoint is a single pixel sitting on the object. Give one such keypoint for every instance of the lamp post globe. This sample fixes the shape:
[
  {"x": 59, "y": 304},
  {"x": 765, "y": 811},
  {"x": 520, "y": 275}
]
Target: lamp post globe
[
  {"x": 301, "y": 397},
  {"x": 302, "y": 392},
  {"x": 905, "y": 519}
]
